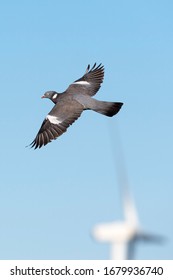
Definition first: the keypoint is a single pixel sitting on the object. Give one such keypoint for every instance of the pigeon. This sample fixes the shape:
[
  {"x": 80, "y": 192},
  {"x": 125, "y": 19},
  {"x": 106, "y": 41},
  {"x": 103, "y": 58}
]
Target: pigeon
[{"x": 70, "y": 104}]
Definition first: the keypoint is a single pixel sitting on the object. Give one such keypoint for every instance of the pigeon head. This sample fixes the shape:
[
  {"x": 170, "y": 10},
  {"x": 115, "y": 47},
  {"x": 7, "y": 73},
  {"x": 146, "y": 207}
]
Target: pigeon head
[{"x": 52, "y": 95}]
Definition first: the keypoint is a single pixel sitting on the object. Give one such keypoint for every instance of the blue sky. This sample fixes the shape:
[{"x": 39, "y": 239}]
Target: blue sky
[{"x": 51, "y": 198}]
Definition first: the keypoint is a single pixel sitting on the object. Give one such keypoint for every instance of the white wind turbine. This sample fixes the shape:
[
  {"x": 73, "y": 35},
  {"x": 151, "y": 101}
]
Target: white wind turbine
[{"x": 122, "y": 235}]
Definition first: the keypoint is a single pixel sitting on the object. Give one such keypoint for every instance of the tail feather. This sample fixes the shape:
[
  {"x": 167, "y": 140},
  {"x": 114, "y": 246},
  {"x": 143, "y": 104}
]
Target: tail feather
[{"x": 108, "y": 108}]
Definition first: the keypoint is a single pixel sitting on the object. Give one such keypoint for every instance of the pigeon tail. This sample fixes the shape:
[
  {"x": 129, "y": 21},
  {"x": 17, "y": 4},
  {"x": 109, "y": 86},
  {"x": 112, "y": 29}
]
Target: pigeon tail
[{"x": 107, "y": 108}]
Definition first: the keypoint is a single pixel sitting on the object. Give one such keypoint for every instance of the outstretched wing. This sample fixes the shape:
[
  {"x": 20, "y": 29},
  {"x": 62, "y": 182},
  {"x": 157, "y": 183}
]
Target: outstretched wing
[
  {"x": 56, "y": 122},
  {"x": 90, "y": 82}
]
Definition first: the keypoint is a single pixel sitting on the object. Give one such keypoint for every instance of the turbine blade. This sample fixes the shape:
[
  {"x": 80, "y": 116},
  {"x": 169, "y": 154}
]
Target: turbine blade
[
  {"x": 129, "y": 207},
  {"x": 149, "y": 237},
  {"x": 130, "y": 211}
]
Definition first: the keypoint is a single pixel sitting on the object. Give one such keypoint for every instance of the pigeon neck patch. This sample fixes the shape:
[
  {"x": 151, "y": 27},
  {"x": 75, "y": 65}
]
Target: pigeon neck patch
[{"x": 55, "y": 96}]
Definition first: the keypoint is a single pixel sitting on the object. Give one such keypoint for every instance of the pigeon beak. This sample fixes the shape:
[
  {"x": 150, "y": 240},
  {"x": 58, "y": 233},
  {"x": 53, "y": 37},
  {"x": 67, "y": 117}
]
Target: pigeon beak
[{"x": 43, "y": 96}]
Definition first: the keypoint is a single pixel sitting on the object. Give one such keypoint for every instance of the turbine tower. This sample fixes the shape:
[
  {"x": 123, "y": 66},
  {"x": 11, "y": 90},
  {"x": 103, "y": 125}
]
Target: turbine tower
[{"x": 122, "y": 235}]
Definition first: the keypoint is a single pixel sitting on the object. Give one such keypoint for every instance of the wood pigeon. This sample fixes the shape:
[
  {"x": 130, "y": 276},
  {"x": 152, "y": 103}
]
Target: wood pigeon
[{"x": 70, "y": 104}]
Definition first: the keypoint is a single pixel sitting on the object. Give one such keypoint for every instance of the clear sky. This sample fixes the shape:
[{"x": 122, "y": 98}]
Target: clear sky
[{"x": 51, "y": 198}]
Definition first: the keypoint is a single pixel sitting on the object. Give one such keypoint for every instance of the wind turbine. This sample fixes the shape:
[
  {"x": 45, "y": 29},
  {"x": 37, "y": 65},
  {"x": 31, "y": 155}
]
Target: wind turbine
[{"x": 122, "y": 235}]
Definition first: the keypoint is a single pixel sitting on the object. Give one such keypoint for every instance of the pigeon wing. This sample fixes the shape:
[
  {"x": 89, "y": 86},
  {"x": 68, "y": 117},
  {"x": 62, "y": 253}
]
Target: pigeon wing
[
  {"x": 56, "y": 122},
  {"x": 90, "y": 83}
]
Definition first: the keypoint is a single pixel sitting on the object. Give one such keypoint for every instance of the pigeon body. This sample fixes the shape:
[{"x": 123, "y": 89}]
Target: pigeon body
[{"x": 70, "y": 104}]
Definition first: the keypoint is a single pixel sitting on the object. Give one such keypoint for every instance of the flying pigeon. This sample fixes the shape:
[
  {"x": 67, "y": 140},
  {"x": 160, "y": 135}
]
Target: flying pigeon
[{"x": 70, "y": 104}]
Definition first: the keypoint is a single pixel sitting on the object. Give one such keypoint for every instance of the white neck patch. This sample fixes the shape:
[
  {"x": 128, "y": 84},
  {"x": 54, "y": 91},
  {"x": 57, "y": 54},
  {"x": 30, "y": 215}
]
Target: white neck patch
[
  {"x": 53, "y": 119},
  {"x": 55, "y": 96},
  {"x": 81, "y": 83}
]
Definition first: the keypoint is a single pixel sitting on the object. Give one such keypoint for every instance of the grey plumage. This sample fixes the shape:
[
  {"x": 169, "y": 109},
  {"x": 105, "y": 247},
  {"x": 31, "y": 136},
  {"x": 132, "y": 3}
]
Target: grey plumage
[{"x": 70, "y": 104}]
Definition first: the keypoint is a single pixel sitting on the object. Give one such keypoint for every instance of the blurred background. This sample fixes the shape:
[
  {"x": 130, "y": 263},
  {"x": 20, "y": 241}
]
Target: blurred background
[{"x": 50, "y": 199}]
